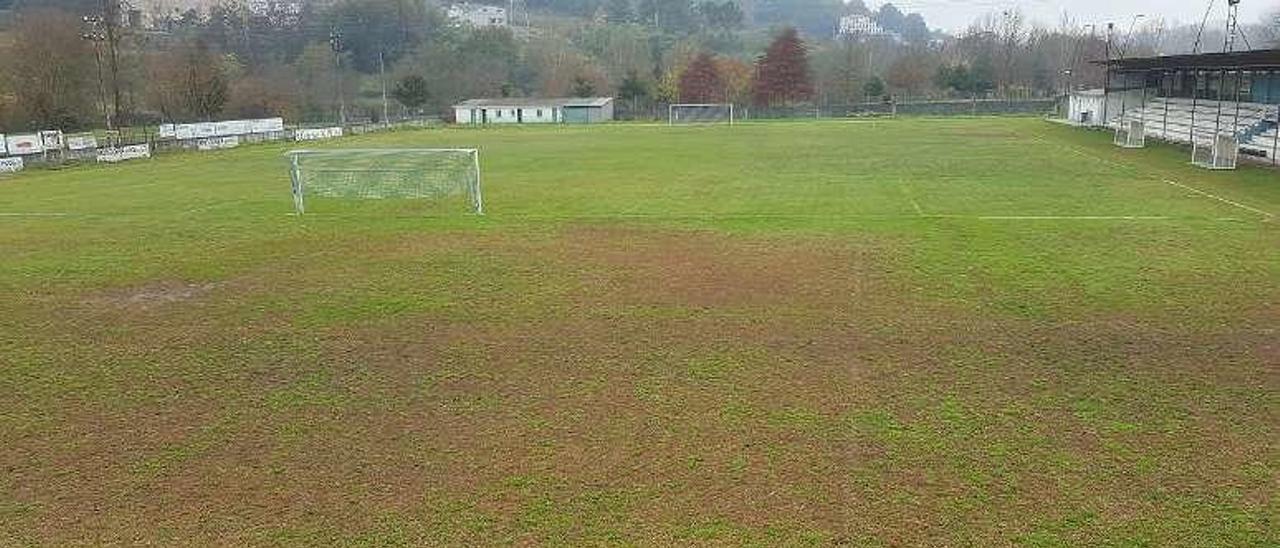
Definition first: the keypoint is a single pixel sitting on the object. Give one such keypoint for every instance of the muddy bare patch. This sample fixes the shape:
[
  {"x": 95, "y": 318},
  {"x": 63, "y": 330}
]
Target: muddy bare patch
[
  {"x": 152, "y": 295},
  {"x": 707, "y": 269}
]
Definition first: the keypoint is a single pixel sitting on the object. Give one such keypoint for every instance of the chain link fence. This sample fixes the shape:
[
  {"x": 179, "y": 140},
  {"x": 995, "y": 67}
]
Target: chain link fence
[{"x": 1033, "y": 106}]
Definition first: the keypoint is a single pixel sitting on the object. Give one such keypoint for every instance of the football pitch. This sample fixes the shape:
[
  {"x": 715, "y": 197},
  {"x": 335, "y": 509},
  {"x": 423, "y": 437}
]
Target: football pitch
[{"x": 885, "y": 332}]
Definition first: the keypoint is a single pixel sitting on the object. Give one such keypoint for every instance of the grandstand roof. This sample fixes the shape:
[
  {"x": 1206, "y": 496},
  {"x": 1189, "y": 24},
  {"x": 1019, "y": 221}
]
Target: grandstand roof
[{"x": 1252, "y": 59}]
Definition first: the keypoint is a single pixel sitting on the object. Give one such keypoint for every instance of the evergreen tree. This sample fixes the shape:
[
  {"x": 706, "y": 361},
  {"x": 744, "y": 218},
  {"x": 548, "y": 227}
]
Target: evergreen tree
[
  {"x": 583, "y": 87},
  {"x": 412, "y": 92},
  {"x": 874, "y": 88},
  {"x": 782, "y": 73},
  {"x": 632, "y": 89}
]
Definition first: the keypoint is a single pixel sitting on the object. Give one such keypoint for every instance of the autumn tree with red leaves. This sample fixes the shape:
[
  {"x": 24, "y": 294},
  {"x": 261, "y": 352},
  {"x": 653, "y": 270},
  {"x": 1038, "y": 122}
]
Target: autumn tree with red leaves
[
  {"x": 782, "y": 73},
  {"x": 701, "y": 82}
]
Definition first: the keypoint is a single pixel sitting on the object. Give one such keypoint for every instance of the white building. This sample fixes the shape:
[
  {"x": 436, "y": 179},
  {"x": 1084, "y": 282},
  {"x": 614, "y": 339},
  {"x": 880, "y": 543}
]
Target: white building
[
  {"x": 523, "y": 110},
  {"x": 860, "y": 26},
  {"x": 156, "y": 13},
  {"x": 1088, "y": 107},
  {"x": 477, "y": 15}
]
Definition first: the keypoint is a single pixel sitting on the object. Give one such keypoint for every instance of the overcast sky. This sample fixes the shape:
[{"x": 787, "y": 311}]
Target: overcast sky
[{"x": 953, "y": 15}]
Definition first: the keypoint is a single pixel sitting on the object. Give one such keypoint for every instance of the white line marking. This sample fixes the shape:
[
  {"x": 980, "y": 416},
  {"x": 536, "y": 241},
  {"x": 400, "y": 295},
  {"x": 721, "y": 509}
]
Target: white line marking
[
  {"x": 801, "y": 216},
  {"x": 1221, "y": 199},
  {"x": 35, "y": 214},
  {"x": 907, "y": 191},
  {"x": 1072, "y": 218}
]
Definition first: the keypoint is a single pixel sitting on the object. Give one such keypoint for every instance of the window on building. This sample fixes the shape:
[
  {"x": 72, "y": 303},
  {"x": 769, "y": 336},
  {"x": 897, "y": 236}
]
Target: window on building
[
  {"x": 498, "y": 113},
  {"x": 539, "y": 113}
]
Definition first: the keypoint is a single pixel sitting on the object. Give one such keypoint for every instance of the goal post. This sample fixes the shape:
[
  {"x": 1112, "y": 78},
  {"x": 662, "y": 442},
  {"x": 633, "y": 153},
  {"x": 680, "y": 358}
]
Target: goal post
[
  {"x": 1130, "y": 134},
  {"x": 700, "y": 113},
  {"x": 438, "y": 175},
  {"x": 1215, "y": 151}
]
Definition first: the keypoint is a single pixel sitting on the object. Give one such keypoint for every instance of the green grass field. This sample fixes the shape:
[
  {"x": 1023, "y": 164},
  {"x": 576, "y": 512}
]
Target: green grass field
[{"x": 926, "y": 331}]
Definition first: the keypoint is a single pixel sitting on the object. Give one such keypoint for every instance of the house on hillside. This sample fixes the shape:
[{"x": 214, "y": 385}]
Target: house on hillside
[
  {"x": 857, "y": 26},
  {"x": 157, "y": 14},
  {"x": 476, "y": 15},
  {"x": 525, "y": 110}
]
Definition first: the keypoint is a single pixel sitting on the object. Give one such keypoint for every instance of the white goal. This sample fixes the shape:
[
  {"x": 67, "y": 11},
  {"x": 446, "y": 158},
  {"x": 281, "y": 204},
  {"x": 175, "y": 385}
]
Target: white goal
[
  {"x": 1131, "y": 134},
  {"x": 438, "y": 175},
  {"x": 1217, "y": 151},
  {"x": 700, "y": 113}
]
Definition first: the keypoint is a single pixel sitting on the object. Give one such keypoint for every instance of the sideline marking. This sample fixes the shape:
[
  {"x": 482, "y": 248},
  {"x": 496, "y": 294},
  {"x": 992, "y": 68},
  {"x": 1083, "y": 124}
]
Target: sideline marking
[
  {"x": 1073, "y": 218},
  {"x": 1076, "y": 150},
  {"x": 802, "y": 216},
  {"x": 1221, "y": 199},
  {"x": 35, "y": 214}
]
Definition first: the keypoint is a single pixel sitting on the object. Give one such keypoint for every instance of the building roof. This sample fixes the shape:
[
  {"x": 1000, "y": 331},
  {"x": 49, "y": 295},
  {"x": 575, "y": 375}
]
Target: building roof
[
  {"x": 518, "y": 102},
  {"x": 1252, "y": 59}
]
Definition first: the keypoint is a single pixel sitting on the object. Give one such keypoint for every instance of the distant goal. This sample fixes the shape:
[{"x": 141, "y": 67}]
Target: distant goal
[
  {"x": 1217, "y": 151},
  {"x": 1130, "y": 134},
  {"x": 446, "y": 178},
  {"x": 700, "y": 113}
]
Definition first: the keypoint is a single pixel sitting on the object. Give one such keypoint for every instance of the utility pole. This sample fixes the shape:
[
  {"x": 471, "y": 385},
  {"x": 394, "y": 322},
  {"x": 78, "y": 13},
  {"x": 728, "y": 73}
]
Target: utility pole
[
  {"x": 93, "y": 33},
  {"x": 382, "y": 74},
  {"x": 335, "y": 41}
]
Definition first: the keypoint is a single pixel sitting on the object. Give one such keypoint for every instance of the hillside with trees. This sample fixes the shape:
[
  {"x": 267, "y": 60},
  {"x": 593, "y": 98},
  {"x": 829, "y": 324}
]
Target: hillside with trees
[{"x": 68, "y": 64}]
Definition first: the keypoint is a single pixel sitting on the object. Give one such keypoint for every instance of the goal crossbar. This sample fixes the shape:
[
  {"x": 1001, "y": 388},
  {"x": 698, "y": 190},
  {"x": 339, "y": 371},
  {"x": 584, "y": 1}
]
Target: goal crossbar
[{"x": 701, "y": 113}]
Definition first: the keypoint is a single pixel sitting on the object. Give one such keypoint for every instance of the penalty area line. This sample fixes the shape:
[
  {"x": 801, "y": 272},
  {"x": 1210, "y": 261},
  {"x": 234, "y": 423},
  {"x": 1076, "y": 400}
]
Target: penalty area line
[{"x": 1266, "y": 214}]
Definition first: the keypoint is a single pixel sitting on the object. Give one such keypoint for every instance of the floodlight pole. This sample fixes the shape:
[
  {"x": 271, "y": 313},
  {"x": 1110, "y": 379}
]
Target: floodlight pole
[
  {"x": 335, "y": 42},
  {"x": 1124, "y": 82},
  {"x": 94, "y": 34},
  {"x": 382, "y": 74},
  {"x": 1106, "y": 76},
  {"x": 110, "y": 18},
  {"x": 1229, "y": 47}
]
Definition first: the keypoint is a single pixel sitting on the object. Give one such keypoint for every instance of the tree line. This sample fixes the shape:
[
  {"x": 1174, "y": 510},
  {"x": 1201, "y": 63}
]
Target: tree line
[{"x": 75, "y": 64}]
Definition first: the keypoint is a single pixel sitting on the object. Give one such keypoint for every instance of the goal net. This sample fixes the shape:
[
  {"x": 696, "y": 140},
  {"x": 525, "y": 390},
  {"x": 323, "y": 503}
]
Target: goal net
[
  {"x": 700, "y": 113},
  {"x": 1130, "y": 134},
  {"x": 1217, "y": 151},
  {"x": 444, "y": 177}
]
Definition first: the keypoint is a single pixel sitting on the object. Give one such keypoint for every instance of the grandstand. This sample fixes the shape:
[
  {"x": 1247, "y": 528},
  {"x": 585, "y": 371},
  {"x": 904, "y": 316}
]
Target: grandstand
[{"x": 1190, "y": 98}]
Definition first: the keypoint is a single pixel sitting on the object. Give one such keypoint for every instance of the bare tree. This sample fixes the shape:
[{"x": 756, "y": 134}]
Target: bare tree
[
  {"x": 49, "y": 67},
  {"x": 191, "y": 82}
]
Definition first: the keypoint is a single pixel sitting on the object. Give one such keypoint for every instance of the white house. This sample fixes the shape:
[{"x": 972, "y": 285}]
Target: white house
[
  {"x": 524, "y": 110},
  {"x": 157, "y": 13},
  {"x": 476, "y": 15},
  {"x": 861, "y": 26}
]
